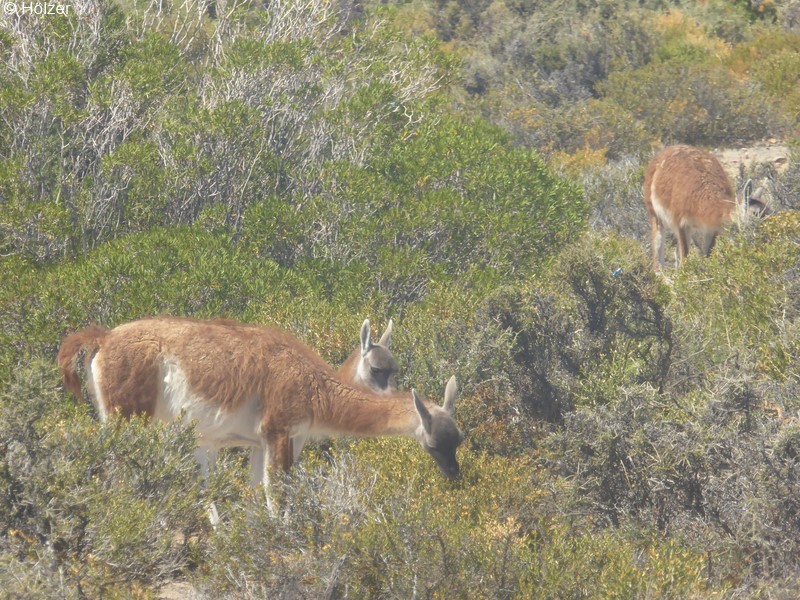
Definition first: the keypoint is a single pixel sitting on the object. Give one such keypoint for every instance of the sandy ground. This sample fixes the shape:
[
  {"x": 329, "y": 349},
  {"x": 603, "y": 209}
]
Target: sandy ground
[
  {"x": 177, "y": 590},
  {"x": 768, "y": 152}
]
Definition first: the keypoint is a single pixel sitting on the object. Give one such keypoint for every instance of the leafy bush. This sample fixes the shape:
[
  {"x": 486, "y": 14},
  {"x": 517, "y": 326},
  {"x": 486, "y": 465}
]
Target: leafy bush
[
  {"x": 597, "y": 322},
  {"x": 743, "y": 297},
  {"x": 91, "y": 510},
  {"x": 773, "y": 59},
  {"x": 705, "y": 472},
  {"x": 694, "y": 103},
  {"x": 455, "y": 196},
  {"x": 171, "y": 122}
]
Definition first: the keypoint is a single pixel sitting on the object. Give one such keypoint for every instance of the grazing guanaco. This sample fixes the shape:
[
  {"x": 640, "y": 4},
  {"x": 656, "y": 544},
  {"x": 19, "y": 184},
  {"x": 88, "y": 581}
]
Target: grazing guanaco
[
  {"x": 246, "y": 386},
  {"x": 687, "y": 191}
]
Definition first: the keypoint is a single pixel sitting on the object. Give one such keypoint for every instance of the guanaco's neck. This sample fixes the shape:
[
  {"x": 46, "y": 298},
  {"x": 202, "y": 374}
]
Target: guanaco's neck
[
  {"x": 347, "y": 410},
  {"x": 348, "y": 369}
]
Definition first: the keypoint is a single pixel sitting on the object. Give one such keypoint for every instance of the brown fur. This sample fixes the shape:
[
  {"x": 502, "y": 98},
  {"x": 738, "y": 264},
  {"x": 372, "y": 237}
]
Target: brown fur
[
  {"x": 693, "y": 189},
  {"x": 228, "y": 364},
  {"x": 348, "y": 369},
  {"x": 88, "y": 339}
]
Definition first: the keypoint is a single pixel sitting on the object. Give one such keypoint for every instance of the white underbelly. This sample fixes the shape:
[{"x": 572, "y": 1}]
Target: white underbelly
[
  {"x": 216, "y": 427},
  {"x": 662, "y": 214},
  {"x": 93, "y": 376}
]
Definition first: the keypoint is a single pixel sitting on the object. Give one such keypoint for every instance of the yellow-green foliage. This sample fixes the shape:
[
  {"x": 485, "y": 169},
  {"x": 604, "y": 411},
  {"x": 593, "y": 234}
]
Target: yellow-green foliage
[
  {"x": 106, "y": 509},
  {"x": 497, "y": 532},
  {"x": 682, "y": 37},
  {"x": 627, "y": 436},
  {"x": 741, "y": 297},
  {"x": 773, "y": 59},
  {"x": 618, "y": 332}
]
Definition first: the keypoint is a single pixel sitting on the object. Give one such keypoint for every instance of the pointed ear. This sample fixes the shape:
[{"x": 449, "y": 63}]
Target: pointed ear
[
  {"x": 424, "y": 413},
  {"x": 366, "y": 344},
  {"x": 386, "y": 338},
  {"x": 450, "y": 392}
]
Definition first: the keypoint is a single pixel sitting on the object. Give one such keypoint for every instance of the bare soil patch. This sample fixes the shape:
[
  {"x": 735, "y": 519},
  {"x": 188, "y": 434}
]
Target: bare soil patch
[
  {"x": 177, "y": 590},
  {"x": 769, "y": 152}
]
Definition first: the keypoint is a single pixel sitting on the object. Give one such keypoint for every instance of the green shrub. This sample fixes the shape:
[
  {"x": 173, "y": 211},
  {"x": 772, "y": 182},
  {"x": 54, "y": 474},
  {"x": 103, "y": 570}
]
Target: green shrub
[
  {"x": 595, "y": 323},
  {"x": 694, "y": 103},
  {"x": 742, "y": 297},
  {"x": 156, "y": 124},
  {"x": 388, "y": 525},
  {"x": 703, "y": 469},
  {"x": 477, "y": 201},
  {"x": 91, "y": 509},
  {"x": 773, "y": 59}
]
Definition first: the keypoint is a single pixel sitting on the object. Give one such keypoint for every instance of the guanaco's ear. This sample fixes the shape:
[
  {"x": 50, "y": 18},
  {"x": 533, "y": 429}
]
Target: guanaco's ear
[
  {"x": 424, "y": 413},
  {"x": 386, "y": 338},
  {"x": 450, "y": 392},
  {"x": 757, "y": 204},
  {"x": 366, "y": 344}
]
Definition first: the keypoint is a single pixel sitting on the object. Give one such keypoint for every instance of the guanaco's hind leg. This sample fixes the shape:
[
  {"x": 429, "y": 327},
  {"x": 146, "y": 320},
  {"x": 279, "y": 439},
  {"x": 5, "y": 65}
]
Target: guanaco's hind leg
[
  {"x": 707, "y": 240},
  {"x": 682, "y": 245},
  {"x": 658, "y": 242}
]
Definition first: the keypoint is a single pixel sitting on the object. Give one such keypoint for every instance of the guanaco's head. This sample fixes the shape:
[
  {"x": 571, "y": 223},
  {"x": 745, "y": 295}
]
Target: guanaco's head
[
  {"x": 438, "y": 433},
  {"x": 754, "y": 204},
  {"x": 377, "y": 368}
]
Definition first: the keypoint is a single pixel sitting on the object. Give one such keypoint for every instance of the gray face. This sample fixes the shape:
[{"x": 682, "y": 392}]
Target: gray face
[
  {"x": 438, "y": 433},
  {"x": 441, "y": 443},
  {"x": 756, "y": 208},
  {"x": 380, "y": 370}
]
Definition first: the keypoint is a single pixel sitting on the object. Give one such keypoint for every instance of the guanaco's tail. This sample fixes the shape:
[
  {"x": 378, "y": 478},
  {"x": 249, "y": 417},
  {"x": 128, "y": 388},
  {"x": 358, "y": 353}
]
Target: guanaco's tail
[{"x": 87, "y": 339}]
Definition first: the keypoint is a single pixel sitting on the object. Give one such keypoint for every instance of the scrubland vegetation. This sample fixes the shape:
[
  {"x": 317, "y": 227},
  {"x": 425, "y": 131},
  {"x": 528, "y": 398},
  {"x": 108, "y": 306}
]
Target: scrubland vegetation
[{"x": 471, "y": 170}]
